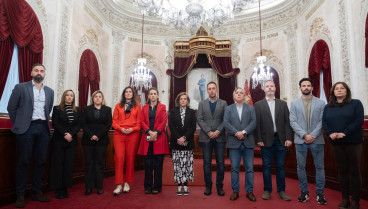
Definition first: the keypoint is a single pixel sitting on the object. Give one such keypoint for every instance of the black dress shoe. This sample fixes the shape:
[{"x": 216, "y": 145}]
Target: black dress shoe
[
  {"x": 88, "y": 192},
  {"x": 220, "y": 192},
  {"x": 207, "y": 192},
  {"x": 65, "y": 193},
  {"x": 20, "y": 203},
  {"x": 99, "y": 191},
  {"x": 59, "y": 196},
  {"x": 40, "y": 197}
]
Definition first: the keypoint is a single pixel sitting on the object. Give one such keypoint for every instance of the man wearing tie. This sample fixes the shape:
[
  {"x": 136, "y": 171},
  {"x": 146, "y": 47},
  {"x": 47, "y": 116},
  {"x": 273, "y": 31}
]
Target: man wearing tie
[
  {"x": 29, "y": 110},
  {"x": 273, "y": 135}
]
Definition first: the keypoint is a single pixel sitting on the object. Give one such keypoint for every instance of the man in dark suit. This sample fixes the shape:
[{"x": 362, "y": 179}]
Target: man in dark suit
[
  {"x": 210, "y": 118},
  {"x": 29, "y": 110},
  {"x": 273, "y": 135},
  {"x": 240, "y": 122}
]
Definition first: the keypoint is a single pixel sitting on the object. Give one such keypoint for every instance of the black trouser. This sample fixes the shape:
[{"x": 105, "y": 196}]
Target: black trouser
[
  {"x": 348, "y": 163},
  {"x": 34, "y": 141},
  {"x": 62, "y": 166},
  {"x": 94, "y": 157},
  {"x": 153, "y": 164}
]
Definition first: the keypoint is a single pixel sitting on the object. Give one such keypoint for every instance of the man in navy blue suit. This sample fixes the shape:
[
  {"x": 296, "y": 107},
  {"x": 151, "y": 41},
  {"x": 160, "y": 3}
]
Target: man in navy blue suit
[{"x": 29, "y": 110}]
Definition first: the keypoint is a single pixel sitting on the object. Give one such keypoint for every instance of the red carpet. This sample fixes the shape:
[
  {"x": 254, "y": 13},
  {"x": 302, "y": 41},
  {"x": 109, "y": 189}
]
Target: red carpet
[{"x": 136, "y": 199}]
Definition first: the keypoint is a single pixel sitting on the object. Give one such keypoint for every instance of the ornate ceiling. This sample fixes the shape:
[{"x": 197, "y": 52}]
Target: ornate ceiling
[{"x": 121, "y": 15}]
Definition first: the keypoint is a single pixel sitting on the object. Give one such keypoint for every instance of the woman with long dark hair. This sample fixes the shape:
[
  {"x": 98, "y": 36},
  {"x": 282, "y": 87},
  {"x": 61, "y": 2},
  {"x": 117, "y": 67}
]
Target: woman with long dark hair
[
  {"x": 153, "y": 143},
  {"x": 66, "y": 123},
  {"x": 97, "y": 121},
  {"x": 342, "y": 120},
  {"x": 126, "y": 121}
]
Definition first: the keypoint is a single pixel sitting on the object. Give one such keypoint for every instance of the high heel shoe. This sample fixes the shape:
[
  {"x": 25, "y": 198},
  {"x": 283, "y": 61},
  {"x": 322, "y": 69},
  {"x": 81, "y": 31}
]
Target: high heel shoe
[{"x": 88, "y": 192}]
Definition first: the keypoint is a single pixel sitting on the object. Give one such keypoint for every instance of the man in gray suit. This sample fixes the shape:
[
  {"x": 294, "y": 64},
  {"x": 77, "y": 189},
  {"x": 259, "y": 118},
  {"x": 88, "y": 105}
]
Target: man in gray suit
[
  {"x": 240, "y": 122},
  {"x": 306, "y": 120},
  {"x": 29, "y": 110},
  {"x": 273, "y": 135},
  {"x": 210, "y": 116}
]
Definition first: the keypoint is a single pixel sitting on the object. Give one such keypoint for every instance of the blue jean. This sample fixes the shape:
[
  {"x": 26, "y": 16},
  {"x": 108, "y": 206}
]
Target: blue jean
[
  {"x": 35, "y": 141},
  {"x": 235, "y": 158},
  {"x": 219, "y": 148},
  {"x": 317, "y": 151},
  {"x": 278, "y": 151}
]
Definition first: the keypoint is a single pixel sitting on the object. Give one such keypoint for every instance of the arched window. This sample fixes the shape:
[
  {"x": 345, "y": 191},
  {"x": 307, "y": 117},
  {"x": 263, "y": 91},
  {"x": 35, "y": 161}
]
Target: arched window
[
  {"x": 20, "y": 38},
  {"x": 258, "y": 93},
  {"x": 89, "y": 76},
  {"x": 320, "y": 67}
]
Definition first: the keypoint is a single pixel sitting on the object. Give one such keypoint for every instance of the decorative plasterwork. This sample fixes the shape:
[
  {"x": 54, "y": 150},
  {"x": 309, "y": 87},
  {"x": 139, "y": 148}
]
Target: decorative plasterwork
[
  {"x": 150, "y": 60},
  {"x": 127, "y": 21},
  {"x": 277, "y": 19},
  {"x": 63, "y": 49},
  {"x": 344, "y": 41},
  {"x": 235, "y": 58},
  {"x": 271, "y": 57},
  {"x": 318, "y": 27},
  {"x": 42, "y": 8},
  {"x": 314, "y": 9},
  {"x": 118, "y": 38},
  {"x": 290, "y": 32},
  {"x": 90, "y": 37},
  {"x": 170, "y": 53}
]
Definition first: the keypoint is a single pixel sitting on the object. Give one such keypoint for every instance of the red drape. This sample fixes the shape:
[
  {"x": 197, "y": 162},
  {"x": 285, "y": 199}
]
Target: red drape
[
  {"x": 366, "y": 42},
  {"x": 222, "y": 65},
  {"x": 19, "y": 23},
  {"x": 89, "y": 76},
  {"x": 320, "y": 60},
  {"x": 6, "y": 53},
  {"x": 258, "y": 93}
]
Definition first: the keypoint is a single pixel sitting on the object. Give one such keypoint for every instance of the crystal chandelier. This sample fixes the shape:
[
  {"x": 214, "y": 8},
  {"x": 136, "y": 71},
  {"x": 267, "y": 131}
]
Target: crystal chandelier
[
  {"x": 141, "y": 77},
  {"x": 264, "y": 72},
  {"x": 192, "y": 13}
]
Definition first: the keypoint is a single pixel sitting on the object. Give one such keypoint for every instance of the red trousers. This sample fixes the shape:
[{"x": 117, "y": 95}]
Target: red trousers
[{"x": 125, "y": 151}]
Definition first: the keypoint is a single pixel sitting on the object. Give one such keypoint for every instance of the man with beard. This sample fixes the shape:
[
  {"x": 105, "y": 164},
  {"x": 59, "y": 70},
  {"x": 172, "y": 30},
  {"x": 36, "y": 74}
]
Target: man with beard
[
  {"x": 273, "y": 135},
  {"x": 306, "y": 120},
  {"x": 29, "y": 110}
]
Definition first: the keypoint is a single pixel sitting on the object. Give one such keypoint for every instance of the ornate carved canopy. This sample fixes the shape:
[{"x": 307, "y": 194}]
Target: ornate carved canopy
[{"x": 202, "y": 43}]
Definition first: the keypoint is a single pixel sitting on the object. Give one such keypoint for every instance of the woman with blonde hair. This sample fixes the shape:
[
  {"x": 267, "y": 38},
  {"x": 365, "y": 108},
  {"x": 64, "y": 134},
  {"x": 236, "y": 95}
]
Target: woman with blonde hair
[
  {"x": 97, "y": 121},
  {"x": 66, "y": 118},
  {"x": 127, "y": 123}
]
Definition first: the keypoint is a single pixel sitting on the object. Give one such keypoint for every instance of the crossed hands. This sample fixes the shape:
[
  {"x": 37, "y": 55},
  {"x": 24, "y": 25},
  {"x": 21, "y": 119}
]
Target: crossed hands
[
  {"x": 335, "y": 136},
  {"x": 213, "y": 134},
  {"x": 240, "y": 135},
  {"x": 309, "y": 139},
  {"x": 94, "y": 138},
  {"x": 181, "y": 141},
  {"x": 68, "y": 137},
  {"x": 153, "y": 136},
  {"x": 126, "y": 131}
]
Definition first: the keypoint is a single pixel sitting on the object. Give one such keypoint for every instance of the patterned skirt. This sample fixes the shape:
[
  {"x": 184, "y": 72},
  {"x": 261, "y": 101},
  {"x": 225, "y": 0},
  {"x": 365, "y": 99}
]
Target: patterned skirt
[{"x": 183, "y": 165}]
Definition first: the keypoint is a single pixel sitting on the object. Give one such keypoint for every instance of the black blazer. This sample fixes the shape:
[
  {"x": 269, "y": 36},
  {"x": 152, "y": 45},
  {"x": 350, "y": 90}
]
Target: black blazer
[
  {"x": 264, "y": 131},
  {"x": 99, "y": 127},
  {"x": 61, "y": 125},
  {"x": 178, "y": 131}
]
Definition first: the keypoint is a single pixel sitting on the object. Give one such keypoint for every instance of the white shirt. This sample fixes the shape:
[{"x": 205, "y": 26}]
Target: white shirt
[
  {"x": 271, "y": 105},
  {"x": 240, "y": 110},
  {"x": 38, "y": 103}
]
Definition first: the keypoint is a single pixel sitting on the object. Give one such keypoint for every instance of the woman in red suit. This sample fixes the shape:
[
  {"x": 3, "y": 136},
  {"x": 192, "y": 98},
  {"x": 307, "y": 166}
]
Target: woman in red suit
[
  {"x": 154, "y": 143},
  {"x": 127, "y": 122}
]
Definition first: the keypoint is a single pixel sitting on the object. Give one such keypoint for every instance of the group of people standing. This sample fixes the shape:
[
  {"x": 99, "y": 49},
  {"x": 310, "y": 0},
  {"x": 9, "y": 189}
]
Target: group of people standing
[{"x": 268, "y": 124}]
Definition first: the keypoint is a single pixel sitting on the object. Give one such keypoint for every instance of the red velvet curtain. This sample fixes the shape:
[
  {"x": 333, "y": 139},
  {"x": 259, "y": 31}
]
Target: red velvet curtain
[
  {"x": 320, "y": 61},
  {"x": 366, "y": 42},
  {"x": 19, "y": 23},
  {"x": 6, "y": 53},
  {"x": 89, "y": 76},
  {"x": 258, "y": 93},
  {"x": 222, "y": 65}
]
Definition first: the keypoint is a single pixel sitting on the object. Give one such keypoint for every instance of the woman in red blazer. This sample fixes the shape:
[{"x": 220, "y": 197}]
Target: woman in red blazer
[
  {"x": 127, "y": 123},
  {"x": 154, "y": 143}
]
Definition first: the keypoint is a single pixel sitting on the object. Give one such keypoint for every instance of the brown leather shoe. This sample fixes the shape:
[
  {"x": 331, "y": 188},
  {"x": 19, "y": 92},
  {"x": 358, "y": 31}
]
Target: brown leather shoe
[
  {"x": 40, "y": 197},
  {"x": 20, "y": 202},
  {"x": 251, "y": 196},
  {"x": 234, "y": 196}
]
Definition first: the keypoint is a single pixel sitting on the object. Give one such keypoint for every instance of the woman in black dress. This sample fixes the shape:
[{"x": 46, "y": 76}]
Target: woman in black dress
[{"x": 66, "y": 123}]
